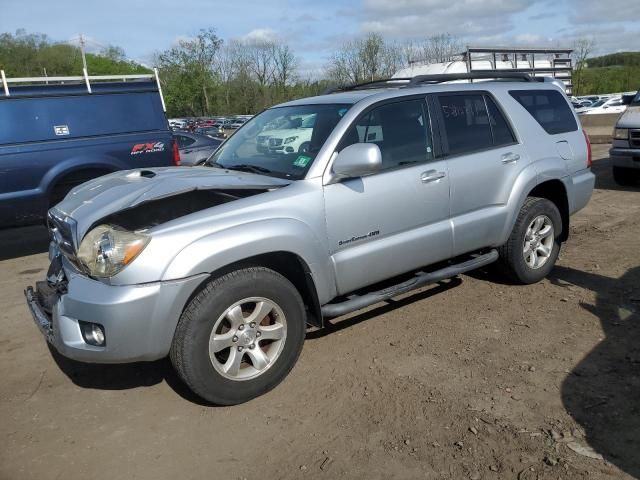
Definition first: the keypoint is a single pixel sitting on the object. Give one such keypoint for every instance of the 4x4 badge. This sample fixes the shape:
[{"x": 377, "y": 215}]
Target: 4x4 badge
[{"x": 139, "y": 148}]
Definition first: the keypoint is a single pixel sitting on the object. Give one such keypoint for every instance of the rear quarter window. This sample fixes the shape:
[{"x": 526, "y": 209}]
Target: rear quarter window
[
  {"x": 64, "y": 117},
  {"x": 549, "y": 108}
]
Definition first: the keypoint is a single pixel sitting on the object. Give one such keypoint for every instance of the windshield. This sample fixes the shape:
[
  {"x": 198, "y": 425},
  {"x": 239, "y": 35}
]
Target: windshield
[
  {"x": 598, "y": 103},
  {"x": 281, "y": 142}
]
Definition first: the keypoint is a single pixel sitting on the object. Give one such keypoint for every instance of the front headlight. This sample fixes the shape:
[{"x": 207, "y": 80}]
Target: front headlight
[
  {"x": 107, "y": 249},
  {"x": 290, "y": 139},
  {"x": 621, "y": 133}
]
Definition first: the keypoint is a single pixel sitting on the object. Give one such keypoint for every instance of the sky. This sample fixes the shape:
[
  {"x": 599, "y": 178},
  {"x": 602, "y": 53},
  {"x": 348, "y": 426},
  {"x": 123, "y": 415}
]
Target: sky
[{"x": 316, "y": 28}]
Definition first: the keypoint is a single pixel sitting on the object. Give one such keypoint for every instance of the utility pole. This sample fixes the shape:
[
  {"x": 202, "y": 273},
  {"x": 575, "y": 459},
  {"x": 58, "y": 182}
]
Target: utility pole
[{"x": 84, "y": 59}]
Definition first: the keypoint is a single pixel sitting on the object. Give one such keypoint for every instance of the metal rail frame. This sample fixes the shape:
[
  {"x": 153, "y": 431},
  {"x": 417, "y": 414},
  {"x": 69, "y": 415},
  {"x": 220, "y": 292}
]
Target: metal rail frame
[{"x": 84, "y": 78}]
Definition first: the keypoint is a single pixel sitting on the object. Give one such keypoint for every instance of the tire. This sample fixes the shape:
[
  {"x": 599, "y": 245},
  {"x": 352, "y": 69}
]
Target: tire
[
  {"x": 211, "y": 320},
  {"x": 626, "y": 177},
  {"x": 304, "y": 147},
  {"x": 519, "y": 266}
]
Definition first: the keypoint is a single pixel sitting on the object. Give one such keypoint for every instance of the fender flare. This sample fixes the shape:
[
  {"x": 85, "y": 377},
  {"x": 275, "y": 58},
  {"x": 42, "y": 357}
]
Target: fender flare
[
  {"x": 550, "y": 168},
  {"x": 238, "y": 243}
]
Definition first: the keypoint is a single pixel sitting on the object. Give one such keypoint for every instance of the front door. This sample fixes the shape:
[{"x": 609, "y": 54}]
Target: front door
[{"x": 397, "y": 219}]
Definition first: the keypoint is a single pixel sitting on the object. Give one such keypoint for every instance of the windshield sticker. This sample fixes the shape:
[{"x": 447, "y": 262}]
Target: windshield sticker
[
  {"x": 302, "y": 161},
  {"x": 342, "y": 111}
]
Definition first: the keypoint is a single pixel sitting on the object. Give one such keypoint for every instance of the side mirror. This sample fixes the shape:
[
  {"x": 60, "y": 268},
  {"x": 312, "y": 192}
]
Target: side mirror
[{"x": 357, "y": 160}]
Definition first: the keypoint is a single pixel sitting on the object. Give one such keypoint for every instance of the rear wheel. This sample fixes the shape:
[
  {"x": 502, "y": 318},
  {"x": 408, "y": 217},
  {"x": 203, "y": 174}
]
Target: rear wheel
[
  {"x": 240, "y": 336},
  {"x": 533, "y": 246},
  {"x": 626, "y": 177}
]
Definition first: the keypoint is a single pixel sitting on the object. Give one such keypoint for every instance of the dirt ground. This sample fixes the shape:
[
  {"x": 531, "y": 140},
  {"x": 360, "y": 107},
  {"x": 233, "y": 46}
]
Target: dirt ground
[{"x": 469, "y": 379}]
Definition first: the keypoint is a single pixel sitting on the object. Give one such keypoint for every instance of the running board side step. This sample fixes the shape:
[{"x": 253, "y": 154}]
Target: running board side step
[{"x": 357, "y": 302}]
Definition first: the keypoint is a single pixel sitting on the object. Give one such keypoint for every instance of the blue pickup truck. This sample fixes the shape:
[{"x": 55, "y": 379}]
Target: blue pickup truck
[{"x": 58, "y": 135}]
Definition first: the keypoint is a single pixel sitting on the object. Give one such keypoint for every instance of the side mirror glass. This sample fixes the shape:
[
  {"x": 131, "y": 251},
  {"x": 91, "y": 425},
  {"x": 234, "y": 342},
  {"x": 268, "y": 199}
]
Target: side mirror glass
[{"x": 357, "y": 160}]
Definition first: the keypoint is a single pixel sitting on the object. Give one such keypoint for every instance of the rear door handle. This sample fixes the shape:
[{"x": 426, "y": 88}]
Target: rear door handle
[
  {"x": 431, "y": 176},
  {"x": 510, "y": 157}
]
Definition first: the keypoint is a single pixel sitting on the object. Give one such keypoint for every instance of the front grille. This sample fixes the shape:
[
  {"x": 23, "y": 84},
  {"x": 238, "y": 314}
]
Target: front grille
[
  {"x": 634, "y": 138},
  {"x": 274, "y": 142}
]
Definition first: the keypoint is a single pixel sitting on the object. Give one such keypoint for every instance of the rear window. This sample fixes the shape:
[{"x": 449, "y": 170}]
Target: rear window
[
  {"x": 51, "y": 118},
  {"x": 549, "y": 108}
]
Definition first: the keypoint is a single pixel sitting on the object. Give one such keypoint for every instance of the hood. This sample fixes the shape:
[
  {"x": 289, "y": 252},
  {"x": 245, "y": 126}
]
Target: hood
[
  {"x": 630, "y": 118},
  {"x": 103, "y": 196}
]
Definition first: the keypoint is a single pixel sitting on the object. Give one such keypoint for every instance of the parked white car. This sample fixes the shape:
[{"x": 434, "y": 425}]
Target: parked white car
[
  {"x": 296, "y": 137},
  {"x": 612, "y": 105}
]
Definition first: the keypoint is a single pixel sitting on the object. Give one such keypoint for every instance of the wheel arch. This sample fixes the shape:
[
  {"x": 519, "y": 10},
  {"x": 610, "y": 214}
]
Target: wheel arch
[
  {"x": 289, "y": 265},
  {"x": 556, "y": 192}
]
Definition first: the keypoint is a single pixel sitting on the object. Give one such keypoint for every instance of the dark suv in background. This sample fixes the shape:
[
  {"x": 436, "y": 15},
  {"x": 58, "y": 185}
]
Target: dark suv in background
[
  {"x": 57, "y": 136},
  {"x": 625, "y": 149}
]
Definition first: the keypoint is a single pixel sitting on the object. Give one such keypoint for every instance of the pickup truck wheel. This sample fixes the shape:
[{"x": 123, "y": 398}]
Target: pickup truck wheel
[
  {"x": 533, "y": 246},
  {"x": 627, "y": 177},
  {"x": 240, "y": 336}
]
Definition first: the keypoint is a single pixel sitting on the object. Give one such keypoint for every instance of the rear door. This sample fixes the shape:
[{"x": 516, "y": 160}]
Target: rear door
[
  {"x": 484, "y": 160},
  {"x": 397, "y": 219}
]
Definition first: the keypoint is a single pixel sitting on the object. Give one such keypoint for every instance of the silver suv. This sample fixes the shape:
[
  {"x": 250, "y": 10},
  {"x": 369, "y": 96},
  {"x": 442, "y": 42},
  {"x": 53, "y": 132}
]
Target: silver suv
[{"x": 223, "y": 266}]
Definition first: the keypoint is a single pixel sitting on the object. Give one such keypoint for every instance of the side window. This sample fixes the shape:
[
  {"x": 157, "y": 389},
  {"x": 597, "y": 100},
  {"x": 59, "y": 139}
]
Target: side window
[
  {"x": 466, "y": 123},
  {"x": 184, "y": 141},
  {"x": 400, "y": 129},
  {"x": 502, "y": 134},
  {"x": 549, "y": 108}
]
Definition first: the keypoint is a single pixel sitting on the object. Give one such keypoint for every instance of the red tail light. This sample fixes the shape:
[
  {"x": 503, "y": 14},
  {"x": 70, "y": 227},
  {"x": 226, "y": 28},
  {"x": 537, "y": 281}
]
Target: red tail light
[
  {"x": 176, "y": 152},
  {"x": 589, "y": 156}
]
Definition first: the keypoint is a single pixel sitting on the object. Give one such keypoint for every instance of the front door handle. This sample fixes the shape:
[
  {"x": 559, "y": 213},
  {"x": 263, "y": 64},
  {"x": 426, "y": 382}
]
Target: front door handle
[
  {"x": 510, "y": 157},
  {"x": 431, "y": 176}
]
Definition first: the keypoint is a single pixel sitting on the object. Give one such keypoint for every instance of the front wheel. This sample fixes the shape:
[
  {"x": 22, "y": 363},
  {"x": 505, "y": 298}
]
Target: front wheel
[
  {"x": 240, "y": 336},
  {"x": 533, "y": 246}
]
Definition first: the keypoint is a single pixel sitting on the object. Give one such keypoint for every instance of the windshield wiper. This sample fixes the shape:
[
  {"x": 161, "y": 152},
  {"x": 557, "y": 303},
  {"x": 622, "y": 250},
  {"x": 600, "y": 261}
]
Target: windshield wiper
[{"x": 245, "y": 167}]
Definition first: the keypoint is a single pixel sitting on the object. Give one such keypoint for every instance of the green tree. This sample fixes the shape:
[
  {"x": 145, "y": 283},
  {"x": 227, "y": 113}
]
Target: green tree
[{"x": 191, "y": 63}]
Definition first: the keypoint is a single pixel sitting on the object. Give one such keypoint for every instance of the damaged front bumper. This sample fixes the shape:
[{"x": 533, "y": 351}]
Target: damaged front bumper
[{"x": 138, "y": 320}]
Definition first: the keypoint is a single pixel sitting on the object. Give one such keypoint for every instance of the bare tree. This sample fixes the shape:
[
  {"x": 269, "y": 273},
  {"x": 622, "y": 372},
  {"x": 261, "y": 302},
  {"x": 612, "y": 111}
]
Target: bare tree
[
  {"x": 227, "y": 64},
  {"x": 435, "y": 49},
  {"x": 582, "y": 48},
  {"x": 365, "y": 59},
  {"x": 285, "y": 64},
  {"x": 261, "y": 64}
]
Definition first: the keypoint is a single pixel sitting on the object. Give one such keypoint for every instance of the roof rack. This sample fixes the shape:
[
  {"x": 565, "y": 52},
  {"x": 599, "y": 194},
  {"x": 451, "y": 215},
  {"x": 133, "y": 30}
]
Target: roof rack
[
  {"x": 384, "y": 82},
  {"x": 84, "y": 78},
  {"x": 435, "y": 78},
  {"x": 489, "y": 75}
]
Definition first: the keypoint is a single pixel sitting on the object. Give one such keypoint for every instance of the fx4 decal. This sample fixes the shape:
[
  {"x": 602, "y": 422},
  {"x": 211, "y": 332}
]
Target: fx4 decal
[{"x": 139, "y": 148}]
